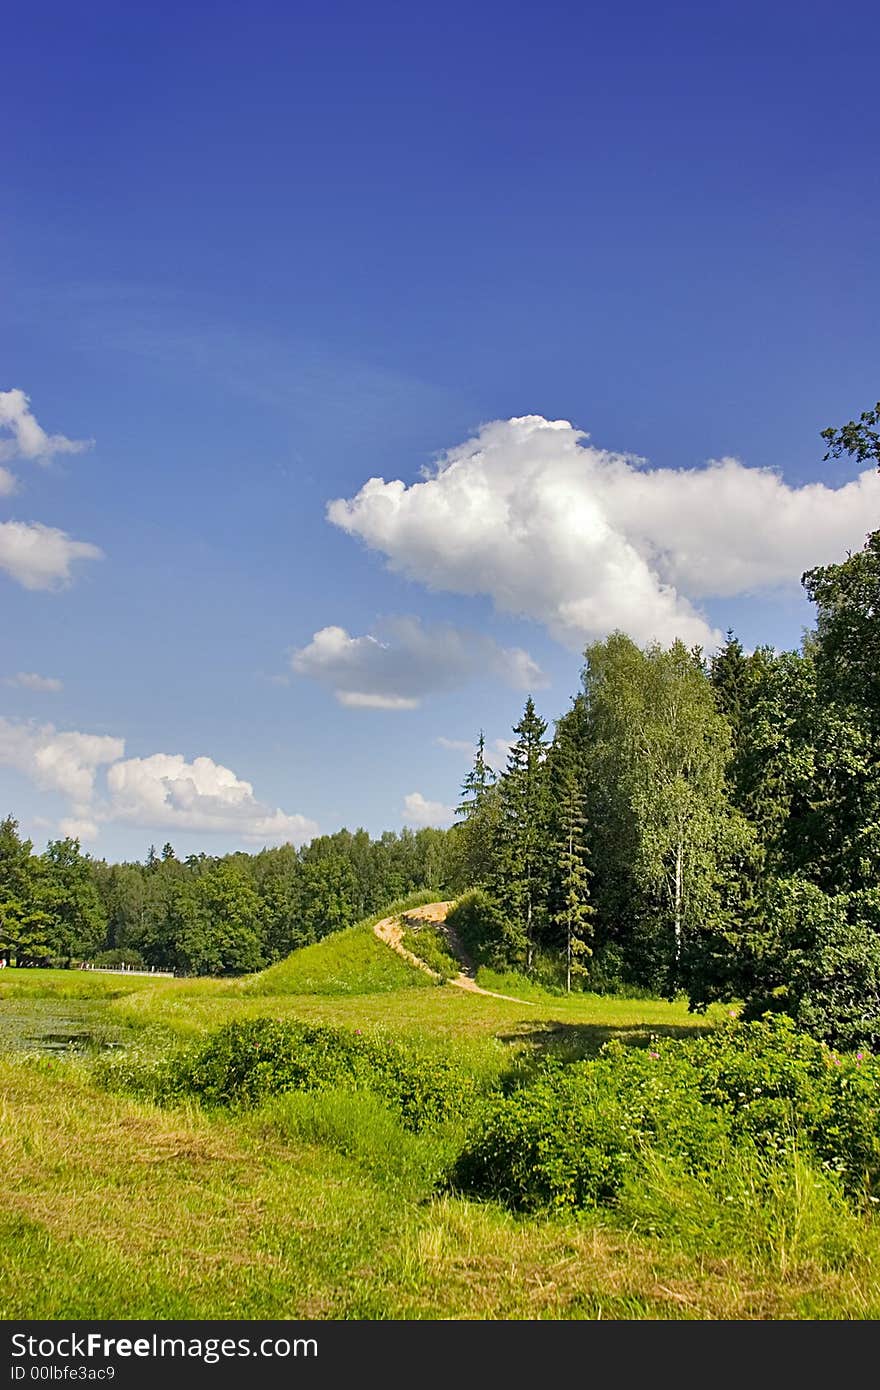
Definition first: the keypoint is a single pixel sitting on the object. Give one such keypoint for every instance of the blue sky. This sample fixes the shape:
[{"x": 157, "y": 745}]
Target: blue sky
[{"x": 262, "y": 256}]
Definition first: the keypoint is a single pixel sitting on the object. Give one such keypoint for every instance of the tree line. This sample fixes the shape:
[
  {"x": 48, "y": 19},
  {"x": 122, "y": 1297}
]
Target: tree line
[{"x": 202, "y": 914}]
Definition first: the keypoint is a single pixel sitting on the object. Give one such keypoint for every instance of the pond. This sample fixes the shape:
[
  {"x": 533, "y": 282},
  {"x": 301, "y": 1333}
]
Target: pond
[{"x": 56, "y": 1026}]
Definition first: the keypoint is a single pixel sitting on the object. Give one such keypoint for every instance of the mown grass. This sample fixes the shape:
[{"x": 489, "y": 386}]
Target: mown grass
[{"x": 70, "y": 984}]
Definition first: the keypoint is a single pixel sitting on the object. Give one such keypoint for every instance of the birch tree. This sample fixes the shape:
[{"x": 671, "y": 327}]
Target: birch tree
[{"x": 659, "y": 749}]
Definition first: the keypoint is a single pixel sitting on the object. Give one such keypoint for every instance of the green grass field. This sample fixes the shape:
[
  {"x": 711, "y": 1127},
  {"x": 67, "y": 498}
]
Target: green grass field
[{"x": 321, "y": 1204}]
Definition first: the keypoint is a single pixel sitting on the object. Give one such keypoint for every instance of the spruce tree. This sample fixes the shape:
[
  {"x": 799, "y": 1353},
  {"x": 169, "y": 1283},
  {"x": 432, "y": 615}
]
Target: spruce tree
[
  {"x": 477, "y": 782},
  {"x": 521, "y": 854},
  {"x": 729, "y": 676},
  {"x": 476, "y": 808},
  {"x": 573, "y": 912}
]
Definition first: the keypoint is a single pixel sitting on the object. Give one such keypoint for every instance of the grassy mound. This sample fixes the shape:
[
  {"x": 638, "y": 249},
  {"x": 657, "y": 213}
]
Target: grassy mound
[{"x": 353, "y": 961}]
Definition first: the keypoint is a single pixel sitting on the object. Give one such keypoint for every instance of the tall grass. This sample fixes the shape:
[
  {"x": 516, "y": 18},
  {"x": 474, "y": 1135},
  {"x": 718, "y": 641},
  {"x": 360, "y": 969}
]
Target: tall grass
[{"x": 777, "y": 1216}]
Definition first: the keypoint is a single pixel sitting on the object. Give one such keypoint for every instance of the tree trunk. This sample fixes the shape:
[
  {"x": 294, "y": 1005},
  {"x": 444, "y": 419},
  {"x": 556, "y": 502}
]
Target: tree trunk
[{"x": 678, "y": 896}]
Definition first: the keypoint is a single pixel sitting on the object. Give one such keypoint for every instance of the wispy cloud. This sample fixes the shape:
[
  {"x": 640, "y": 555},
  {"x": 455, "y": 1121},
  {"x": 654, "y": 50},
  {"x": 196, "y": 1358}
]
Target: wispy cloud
[
  {"x": 407, "y": 662},
  {"x": 29, "y": 680},
  {"x": 22, "y": 436}
]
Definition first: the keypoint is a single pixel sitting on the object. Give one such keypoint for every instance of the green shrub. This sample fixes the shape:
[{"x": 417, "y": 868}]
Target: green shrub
[
  {"x": 133, "y": 959},
  {"x": 244, "y": 1064},
  {"x": 818, "y": 960},
  {"x": 483, "y": 930},
  {"x": 579, "y": 1134},
  {"x": 571, "y": 1138},
  {"x": 783, "y": 1089}
]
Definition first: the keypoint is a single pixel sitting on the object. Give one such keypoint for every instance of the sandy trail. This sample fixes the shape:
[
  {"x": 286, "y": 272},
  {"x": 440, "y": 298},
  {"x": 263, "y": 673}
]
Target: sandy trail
[{"x": 390, "y": 930}]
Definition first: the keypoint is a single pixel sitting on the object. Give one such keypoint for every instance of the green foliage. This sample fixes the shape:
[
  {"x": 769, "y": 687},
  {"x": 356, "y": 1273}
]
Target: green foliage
[
  {"x": 484, "y": 929},
  {"x": 857, "y": 438},
  {"x": 818, "y": 959},
  {"x": 847, "y": 660},
  {"x": 430, "y": 944},
  {"x": 215, "y": 922},
  {"x": 570, "y": 1139},
  {"x": 571, "y": 877},
  {"x": 656, "y": 749},
  {"x": 479, "y": 809},
  {"x": 239, "y": 913},
  {"x": 518, "y": 878},
  {"x": 581, "y": 1134},
  {"x": 120, "y": 956}
]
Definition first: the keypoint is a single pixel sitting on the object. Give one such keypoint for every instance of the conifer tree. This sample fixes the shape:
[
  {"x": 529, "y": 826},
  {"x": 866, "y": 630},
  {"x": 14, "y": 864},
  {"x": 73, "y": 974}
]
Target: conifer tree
[
  {"x": 476, "y": 808},
  {"x": 729, "y": 675},
  {"x": 521, "y": 854},
  {"x": 574, "y": 912},
  {"x": 477, "y": 782}
]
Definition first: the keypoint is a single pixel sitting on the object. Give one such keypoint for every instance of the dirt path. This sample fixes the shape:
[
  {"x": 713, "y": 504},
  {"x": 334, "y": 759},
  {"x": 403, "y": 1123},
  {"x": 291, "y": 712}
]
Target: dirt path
[{"x": 390, "y": 930}]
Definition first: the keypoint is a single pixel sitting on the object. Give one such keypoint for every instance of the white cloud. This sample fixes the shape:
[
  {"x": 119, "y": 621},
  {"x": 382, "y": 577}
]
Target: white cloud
[
  {"x": 74, "y": 828},
  {"x": 8, "y": 483},
  {"x": 418, "y": 812},
  {"x": 29, "y": 680},
  {"x": 39, "y": 557},
  {"x": 165, "y": 791},
  {"x": 25, "y": 437},
  {"x": 412, "y": 661},
  {"x": 62, "y": 762},
  {"x": 585, "y": 541},
  {"x": 361, "y": 699}
]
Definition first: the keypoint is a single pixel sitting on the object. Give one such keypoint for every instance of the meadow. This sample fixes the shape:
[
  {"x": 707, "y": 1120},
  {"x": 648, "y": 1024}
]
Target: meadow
[{"x": 336, "y": 1200}]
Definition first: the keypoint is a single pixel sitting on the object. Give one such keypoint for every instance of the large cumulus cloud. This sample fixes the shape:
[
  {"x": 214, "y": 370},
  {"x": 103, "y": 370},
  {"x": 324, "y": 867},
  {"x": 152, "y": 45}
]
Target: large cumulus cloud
[{"x": 584, "y": 540}]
